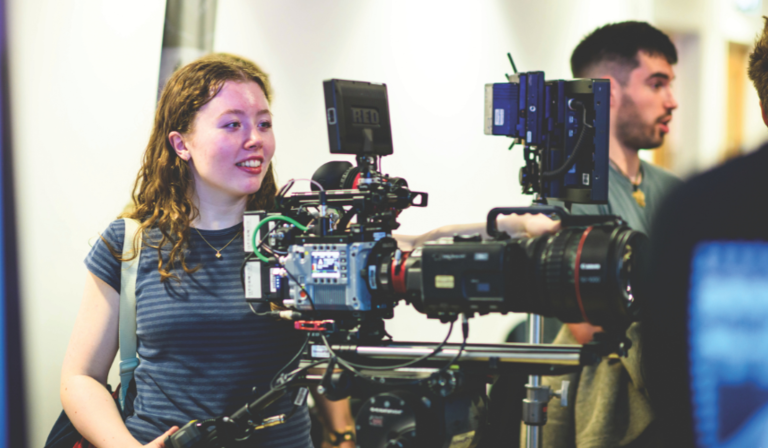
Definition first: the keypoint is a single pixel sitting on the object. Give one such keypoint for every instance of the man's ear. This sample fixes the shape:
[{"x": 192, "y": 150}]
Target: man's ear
[
  {"x": 615, "y": 91},
  {"x": 177, "y": 142},
  {"x": 765, "y": 116}
]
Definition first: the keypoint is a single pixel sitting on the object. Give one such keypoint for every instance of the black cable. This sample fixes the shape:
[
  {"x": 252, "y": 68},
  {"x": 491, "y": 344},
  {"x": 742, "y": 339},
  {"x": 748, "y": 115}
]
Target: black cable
[
  {"x": 295, "y": 357},
  {"x": 292, "y": 374},
  {"x": 344, "y": 221},
  {"x": 575, "y": 153},
  {"x": 465, "y": 335},
  {"x": 250, "y": 256},
  {"x": 372, "y": 379},
  {"x": 352, "y": 367},
  {"x": 311, "y": 302},
  {"x": 293, "y": 400},
  {"x": 285, "y": 188},
  {"x": 396, "y": 366},
  {"x": 284, "y": 385}
]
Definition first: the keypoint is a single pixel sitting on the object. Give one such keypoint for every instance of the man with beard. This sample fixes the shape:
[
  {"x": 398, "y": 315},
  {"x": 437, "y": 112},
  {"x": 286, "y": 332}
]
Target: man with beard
[{"x": 608, "y": 403}]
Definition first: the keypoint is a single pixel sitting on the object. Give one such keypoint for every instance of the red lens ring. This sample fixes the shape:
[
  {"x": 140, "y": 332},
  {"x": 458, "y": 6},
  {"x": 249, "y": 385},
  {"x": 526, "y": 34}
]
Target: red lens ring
[
  {"x": 398, "y": 278},
  {"x": 576, "y": 283}
]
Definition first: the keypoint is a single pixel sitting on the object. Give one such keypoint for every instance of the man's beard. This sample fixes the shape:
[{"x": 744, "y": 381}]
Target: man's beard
[{"x": 632, "y": 131}]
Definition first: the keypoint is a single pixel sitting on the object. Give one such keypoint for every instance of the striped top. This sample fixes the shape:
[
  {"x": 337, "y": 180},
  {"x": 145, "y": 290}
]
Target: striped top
[{"x": 202, "y": 350}]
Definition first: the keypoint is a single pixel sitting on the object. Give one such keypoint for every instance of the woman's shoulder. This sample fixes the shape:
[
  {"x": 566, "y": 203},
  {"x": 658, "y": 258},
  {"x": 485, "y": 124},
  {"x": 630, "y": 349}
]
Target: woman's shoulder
[
  {"x": 114, "y": 234},
  {"x": 102, "y": 260}
]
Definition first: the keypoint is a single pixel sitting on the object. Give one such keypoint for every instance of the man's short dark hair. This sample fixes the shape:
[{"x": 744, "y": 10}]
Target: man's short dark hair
[
  {"x": 758, "y": 65},
  {"x": 616, "y": 45}
]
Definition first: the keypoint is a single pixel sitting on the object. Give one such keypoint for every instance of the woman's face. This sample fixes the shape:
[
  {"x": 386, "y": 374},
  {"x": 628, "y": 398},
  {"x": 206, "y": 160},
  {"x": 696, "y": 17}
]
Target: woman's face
[{"x": 231, "y": 143}]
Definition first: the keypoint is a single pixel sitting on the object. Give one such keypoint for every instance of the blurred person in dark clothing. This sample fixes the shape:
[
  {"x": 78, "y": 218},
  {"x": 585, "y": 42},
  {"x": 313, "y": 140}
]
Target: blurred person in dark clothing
[{"x": 722, "y": 210}]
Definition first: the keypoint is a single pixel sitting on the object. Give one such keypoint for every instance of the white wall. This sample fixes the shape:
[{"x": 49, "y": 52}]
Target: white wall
[
  {"x": 703, "y": 29},
  {"x": 84, "y": 76}
]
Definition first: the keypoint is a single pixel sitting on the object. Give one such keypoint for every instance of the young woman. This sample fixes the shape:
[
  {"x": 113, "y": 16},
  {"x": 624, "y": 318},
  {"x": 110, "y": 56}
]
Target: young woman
[{"x": 202, "y": 350}]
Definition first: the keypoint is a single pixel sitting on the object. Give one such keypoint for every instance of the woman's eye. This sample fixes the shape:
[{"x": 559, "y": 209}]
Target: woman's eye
[
  {"x": 265, "y": 124},
  {"x": 234, "y": 124}
]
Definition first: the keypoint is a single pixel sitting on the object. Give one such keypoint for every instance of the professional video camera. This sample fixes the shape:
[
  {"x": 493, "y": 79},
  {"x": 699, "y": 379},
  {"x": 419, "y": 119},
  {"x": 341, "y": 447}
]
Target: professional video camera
[
  {"x": 327, "y": 260},
  {"x": 323, "y": 265}
]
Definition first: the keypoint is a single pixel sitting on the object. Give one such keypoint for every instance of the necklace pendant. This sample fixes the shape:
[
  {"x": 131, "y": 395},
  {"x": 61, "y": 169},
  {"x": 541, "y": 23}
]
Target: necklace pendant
[
  {"x": 218, "y": 254},
  {"x": 639, "y": 197}
]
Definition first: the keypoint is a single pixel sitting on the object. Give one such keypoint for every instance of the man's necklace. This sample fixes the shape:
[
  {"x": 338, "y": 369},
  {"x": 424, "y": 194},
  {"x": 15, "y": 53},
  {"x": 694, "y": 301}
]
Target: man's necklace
[
  {"x": 218, "y": 251},
  {"x": 637, "y": 193}
]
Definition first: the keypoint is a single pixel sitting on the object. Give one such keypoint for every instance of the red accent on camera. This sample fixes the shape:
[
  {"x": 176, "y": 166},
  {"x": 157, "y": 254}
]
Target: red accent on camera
[
  {"x": 314, "y": 325},
  {"x": 576, "y": 278},
  {"x": 398, "y": 274}
]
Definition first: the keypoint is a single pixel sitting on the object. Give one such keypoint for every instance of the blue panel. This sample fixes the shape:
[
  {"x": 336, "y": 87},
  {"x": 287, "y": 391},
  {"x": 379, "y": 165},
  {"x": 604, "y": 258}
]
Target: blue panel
[
  {"x": 728, "y": 342},
  {"x": 505, "y": 109},
  {"x": 601, "y": 103},
  {"x": 534, "y": 112}
]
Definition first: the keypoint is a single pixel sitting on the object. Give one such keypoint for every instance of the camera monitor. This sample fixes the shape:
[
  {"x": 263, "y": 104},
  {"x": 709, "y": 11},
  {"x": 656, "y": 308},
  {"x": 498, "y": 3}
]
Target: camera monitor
[
  {"x": 358, "y": 117},
  {"x": 728, "y": 343},
  {"x": 564, "y": 125}
]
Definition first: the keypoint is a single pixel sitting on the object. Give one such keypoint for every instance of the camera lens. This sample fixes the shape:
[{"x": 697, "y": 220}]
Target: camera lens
[
  {"x": 586, "y": 274},
  {"x": 580, "y": 274}
]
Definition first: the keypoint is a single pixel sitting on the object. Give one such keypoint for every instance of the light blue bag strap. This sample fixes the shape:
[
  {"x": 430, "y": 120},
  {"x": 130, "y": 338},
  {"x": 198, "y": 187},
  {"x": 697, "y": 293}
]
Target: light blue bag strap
[{"x": 127, "y": 325}]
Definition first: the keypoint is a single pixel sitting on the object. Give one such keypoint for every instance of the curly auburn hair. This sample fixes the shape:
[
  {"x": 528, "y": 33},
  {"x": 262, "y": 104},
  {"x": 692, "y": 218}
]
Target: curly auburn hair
[
  {"x": 161, "y": 194},
  {"x": 758, "y": 65}
]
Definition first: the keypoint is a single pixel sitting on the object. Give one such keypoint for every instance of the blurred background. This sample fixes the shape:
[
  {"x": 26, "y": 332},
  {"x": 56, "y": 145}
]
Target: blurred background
[{"x": 83, "y": 79}]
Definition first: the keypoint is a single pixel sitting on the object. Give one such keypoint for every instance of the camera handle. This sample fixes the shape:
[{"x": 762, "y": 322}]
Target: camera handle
[
  {"x": 566, "y": 218},
  {"x": 492, "y": 229}
]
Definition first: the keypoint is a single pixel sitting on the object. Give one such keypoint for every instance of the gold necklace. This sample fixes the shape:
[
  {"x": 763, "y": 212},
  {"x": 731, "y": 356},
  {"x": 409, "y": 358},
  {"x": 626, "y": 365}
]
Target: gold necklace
[
  {"x": 218, "y": 251},
  {"x": 637, "y": 193}
]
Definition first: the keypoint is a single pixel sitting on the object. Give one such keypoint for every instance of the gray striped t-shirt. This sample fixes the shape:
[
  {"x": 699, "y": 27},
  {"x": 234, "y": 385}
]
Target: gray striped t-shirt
[{"x": 202, "y": 350}]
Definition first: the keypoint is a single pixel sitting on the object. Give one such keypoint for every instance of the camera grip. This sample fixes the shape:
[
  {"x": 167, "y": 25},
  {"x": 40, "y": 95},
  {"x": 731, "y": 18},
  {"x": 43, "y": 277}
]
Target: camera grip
[{"x": 493, "y": 232}]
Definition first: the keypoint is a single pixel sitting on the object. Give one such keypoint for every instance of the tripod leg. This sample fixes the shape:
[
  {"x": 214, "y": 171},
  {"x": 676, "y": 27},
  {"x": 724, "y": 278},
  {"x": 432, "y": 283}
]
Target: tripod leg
[{"x": 534, "y": 413}]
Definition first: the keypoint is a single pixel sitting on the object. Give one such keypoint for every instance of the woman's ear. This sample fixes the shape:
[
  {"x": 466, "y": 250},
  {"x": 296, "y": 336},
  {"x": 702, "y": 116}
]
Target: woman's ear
[{"x": 177, "y": 142}]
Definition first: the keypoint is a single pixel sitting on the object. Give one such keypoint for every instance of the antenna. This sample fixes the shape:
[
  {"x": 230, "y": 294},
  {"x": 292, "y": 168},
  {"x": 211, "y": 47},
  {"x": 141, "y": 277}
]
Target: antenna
[{"x": 514, "y": 68}]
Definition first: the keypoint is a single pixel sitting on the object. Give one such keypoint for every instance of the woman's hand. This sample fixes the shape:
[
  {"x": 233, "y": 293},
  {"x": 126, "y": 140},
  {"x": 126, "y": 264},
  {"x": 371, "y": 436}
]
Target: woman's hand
[
  {"x": 160, "y": 441},
  {"x": 527, "y": 225}
]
